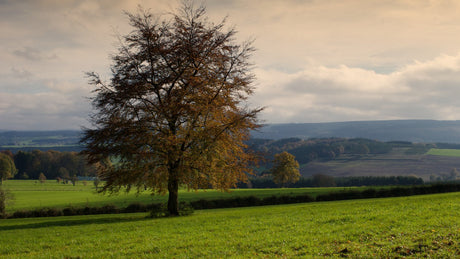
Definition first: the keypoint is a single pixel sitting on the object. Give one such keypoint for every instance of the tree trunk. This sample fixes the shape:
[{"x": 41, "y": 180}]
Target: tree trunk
[{"x": 173, "y": 189}]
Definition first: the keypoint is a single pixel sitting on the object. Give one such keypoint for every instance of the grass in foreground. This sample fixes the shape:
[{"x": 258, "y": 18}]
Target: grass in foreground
[
  {"x": 31, "y": 194},
  {"x": 417, "y": 226}
]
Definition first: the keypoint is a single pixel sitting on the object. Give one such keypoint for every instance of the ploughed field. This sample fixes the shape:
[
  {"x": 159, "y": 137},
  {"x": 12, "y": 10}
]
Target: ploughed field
[
  {"x": 396, "y": 163},
  {"x": 416, "y": 226}
]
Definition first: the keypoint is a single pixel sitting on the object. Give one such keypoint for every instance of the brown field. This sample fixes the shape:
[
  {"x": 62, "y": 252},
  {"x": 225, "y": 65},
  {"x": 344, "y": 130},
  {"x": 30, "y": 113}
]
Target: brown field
[{"x": 396, "y": 163}]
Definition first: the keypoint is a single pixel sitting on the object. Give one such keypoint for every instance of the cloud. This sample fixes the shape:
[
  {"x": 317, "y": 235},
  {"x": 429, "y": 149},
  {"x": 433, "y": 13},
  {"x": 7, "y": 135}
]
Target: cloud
[
  {"x": 44, "y": 110},
  {"x": 20, "y": 73},
  {"x": 33, "y": 54},
  {"x": 371, "y": 34},
  {"x": 319, "y": 94},
  {"x": 47, "y": 46}
]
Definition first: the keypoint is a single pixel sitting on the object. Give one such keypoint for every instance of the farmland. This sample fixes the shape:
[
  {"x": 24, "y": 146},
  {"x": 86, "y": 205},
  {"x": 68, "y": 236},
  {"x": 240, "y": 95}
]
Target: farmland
[
  {"x": 30, "y": 194},
  {"x": 329, "y": 156},
  {"x": 444, "y": 152},
  {"x": 398, "y": 162},
  {"x": 418, "y": 226}
]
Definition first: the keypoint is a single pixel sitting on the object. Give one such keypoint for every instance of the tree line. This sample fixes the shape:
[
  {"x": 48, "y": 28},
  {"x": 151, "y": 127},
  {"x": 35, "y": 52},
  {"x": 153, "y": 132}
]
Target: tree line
[
  {"x": 326, "y": 149},
  {"x": 321, "y": 180},
  {"x": 50, "y": 164}
]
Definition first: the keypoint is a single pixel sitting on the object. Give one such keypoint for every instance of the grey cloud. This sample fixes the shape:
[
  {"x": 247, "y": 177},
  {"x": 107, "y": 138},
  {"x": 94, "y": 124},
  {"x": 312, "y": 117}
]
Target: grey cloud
[
  {"x": 25, "y": 111},
  {"x": 33, "y": 54},
  {"x": 20, "y": 73},
  {"x": 300, "y": 51},
  {"x": 423, "y": 90},
  {"x": 315, "y": 85}
]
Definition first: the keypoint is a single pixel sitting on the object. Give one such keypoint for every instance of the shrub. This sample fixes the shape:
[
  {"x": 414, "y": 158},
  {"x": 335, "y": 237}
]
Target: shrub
[
  {"x": 21, "y": 214},
  {"x": 369, "y": 193},
  {"x": 69, "y": 211},
  {"x": 108, "y": 209},
  {"x": 391, "y": 192},
  {"x": 161, "y": 211},
  {"x": 136, "y": 207},
  {"x": 2, "y": 203},
  {"x": 42, "y": 178},
  {"x": 51, "y": 212},
  {"x": 249, "y": 201}
]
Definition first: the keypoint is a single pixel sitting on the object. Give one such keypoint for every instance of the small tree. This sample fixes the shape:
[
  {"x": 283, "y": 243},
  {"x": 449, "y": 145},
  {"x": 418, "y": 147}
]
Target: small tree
[
  {"x": 285, "y": 169},
  {"x": 64, "y": 174},
  {"x": 96, "y": 183},
  {"x": 42, "y": 178},
  {"x": 74, "y": 180},
  {"x": 454, "y": 174},
  {"x": 7, "y": 167}
]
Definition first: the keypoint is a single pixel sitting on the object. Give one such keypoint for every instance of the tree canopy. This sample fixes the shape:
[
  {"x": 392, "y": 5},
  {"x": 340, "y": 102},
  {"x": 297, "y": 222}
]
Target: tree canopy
[
  {"x": 174, "y": 111},
  {"x": 30, "y": 164}
]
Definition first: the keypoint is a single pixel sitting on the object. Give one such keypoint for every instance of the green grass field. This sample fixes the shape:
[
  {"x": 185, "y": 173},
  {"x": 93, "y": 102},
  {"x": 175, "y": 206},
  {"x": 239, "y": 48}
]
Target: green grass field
[
  {"x": 31, "y": 194},
  {"x": 417, "y": 226},
  {"x": 444, "y": 152}
]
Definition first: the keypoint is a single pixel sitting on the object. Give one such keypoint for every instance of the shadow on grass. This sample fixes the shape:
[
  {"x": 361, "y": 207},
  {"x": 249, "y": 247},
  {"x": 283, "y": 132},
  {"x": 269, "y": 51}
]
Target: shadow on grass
[{"x": 75, "y": 222}]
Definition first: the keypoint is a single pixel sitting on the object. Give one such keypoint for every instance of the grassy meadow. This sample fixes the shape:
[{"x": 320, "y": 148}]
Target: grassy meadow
[
  {"x": 31, "y": 194},
  {"x": 417, "y": 226},
  {"x": 444, "y": 152}
]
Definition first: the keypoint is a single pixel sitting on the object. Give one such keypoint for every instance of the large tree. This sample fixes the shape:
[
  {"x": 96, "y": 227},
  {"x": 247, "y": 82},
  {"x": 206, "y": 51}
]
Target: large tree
[{"x": 174, "y": 111}]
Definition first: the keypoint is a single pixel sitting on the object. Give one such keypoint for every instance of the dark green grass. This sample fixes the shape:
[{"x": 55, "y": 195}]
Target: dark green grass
[
  {"x": 31, "y": 194},
  {"x": 414, "y": 227}
]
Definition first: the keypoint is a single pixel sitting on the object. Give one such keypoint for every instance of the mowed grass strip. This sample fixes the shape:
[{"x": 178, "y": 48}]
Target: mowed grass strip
[
  {"x": 444, "y": 152},
  {"x": 31, "y": 194},
  {"x": 417, "y": 226}
]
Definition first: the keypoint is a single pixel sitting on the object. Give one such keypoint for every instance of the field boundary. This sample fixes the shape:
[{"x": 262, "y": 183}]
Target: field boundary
[{"x": 249, "y": 201}]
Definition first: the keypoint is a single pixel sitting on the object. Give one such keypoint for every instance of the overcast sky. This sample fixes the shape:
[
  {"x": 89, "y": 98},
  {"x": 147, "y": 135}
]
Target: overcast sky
[{"x": 316, "y": 61}]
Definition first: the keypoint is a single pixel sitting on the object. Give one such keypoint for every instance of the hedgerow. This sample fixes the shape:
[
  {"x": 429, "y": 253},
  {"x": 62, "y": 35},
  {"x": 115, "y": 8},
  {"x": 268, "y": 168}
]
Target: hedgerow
[{"x": 158, "y": 209}]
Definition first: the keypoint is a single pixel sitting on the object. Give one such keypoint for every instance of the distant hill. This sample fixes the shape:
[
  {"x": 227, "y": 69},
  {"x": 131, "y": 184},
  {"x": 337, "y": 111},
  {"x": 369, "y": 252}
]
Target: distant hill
[
  {"x": 418, "y": 131},
  {"x": 59, "y": 140}
]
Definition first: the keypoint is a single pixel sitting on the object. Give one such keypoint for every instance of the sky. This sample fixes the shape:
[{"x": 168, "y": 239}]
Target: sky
[{"x": 316, "y": 60}]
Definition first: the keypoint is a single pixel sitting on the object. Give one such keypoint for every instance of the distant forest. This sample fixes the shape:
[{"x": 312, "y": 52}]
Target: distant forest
[
  {"x": 56, "y": 153},
  {"x": 67, "y": 166},
  {"x": 310, "y": 150}
]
